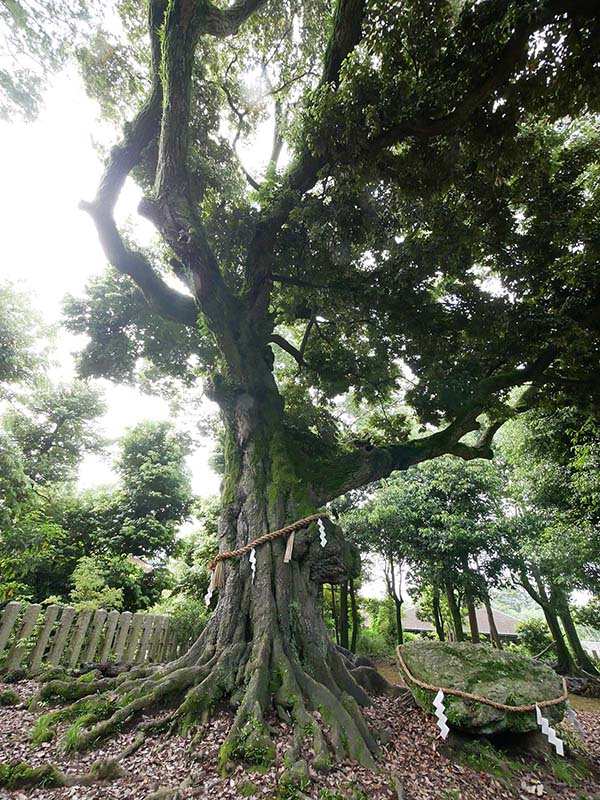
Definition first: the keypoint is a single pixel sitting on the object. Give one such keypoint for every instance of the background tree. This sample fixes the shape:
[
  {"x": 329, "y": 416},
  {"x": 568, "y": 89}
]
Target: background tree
[
  {"x": 20, "y": 333},
  {"x": 55, "y": 425},
  {"x": 372, "y": 249},
  {"x": 551, "y": 538}
]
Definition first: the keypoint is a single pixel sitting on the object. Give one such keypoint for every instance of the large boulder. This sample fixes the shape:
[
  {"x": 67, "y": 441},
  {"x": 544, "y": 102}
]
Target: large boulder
[{"x": 481, "y": 670}]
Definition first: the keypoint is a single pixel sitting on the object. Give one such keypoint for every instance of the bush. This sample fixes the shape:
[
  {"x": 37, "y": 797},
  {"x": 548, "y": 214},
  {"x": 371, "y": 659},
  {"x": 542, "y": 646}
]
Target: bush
[{"x": 534, "y": 635}]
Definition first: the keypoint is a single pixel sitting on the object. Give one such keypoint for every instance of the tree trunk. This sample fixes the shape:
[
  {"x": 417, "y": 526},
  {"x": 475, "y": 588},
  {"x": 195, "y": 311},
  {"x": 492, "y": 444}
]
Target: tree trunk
[
  {"x": 459, "y": 633},
  {"x": 355, "y": 616},
  {"x": 334, "y": 614},
  {"x": 437, "y": 615},
  {"x": 344, "y": 639},
  {"x": 494, "y": 635},
  {"x": 266, "y": 645},
  {"x": 473, "y": 624},
  {"x": 395, "y": 592},
  {"x": 582, "y": 659}
]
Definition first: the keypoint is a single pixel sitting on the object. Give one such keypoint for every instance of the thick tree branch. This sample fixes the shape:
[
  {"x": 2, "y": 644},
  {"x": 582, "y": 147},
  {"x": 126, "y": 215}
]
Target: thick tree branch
[
  {"x": 123, "y": 157},
  {"x": 346, "y": 34},
  {"x": 353, "y": 470},
  {"x": 227, "y": 22},
  {"x": 510, "y": 57}
]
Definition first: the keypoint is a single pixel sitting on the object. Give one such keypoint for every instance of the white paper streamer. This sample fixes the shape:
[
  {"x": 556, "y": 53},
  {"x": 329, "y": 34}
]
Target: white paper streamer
[
  {"x": 253, "y": 562},
  {"x": 549, "y": 732},
  {"x": 572, "y": 717},
  {"x": 442, "y": 719},
  {"x": 323, "y": 536},
  {"x": 208, "y": 595}
]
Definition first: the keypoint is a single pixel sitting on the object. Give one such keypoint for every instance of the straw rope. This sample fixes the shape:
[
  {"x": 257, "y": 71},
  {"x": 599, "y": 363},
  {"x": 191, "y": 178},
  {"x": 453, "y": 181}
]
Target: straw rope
[
  {"x": 295, "y": 526},
  {"x": 467, "y": 696}
]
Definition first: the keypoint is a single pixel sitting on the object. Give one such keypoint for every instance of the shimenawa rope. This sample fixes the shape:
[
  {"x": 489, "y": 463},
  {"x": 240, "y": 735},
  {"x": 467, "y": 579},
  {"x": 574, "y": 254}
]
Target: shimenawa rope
[
  {"x": 215, "y": 565},
  {"x": 467, "y": 696}
]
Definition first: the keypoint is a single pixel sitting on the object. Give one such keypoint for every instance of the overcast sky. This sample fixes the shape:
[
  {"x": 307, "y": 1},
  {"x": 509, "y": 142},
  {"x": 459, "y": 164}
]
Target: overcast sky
[{"x": 50, "y": 247}]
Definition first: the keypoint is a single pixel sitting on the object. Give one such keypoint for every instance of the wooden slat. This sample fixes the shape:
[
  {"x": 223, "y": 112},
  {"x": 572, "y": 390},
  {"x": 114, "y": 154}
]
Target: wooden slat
[
  {"x": 81, "y": 626},
  {"x": 124, "y": 623},
  {"x": 17, "y": 652},
  {"x": 155, "y": 639},
  {"x": 95, "y": 631},
  {"x": 109, "y": 635},
  {"x": 37, "y": 654},
  {"x": 9, "y": 617},
  {"x": 133, "y": 638},
  {"x": 62, "y": 634},
  {"x": 162, "y": 654},
  {"x": 145, "y": 640}
]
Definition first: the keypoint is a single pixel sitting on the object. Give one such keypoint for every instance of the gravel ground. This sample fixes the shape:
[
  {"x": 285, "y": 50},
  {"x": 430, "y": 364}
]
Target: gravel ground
[{"x": 413, "y": 756}]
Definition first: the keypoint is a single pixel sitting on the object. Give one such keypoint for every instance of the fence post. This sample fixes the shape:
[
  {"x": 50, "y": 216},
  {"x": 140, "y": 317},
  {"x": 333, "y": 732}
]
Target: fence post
[
  {"x": 19, "y": 648},
  {"x": 37, "y": 653},
  {"x": 83, "y": 622},
  {"x": 155, "y": 641},
  {"x": 109, "y": 635},
  {"x": 134, "y": 636},
  {"x": 9, "y": 616},
  {"x": 62, "y": 633},
  {"x": 95, "y": 631},
  {"x": 147, "y": 630},
  {"x": 122, "y": 635}
]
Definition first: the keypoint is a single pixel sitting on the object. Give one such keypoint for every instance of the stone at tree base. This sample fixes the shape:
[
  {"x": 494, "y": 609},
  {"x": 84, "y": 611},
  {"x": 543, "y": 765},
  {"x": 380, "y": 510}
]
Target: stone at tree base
[{"x": 481, "y": 670}]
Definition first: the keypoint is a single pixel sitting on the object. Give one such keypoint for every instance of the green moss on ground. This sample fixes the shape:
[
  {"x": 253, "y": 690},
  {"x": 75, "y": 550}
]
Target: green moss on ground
[
  {"x": 8, "y": 697},
  {"x": 22, "y": 776}
]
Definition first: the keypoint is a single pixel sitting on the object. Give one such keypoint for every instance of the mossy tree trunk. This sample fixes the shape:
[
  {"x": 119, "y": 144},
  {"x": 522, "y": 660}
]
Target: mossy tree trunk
[
  {"x": 495, "y": 636},
  {"x": 582, "y": 659},
  {"x": 266, "y": 647},
  {"x": 454, "y": 607},
  {"x": 437, "y": 615},
  {"x": 565, "y": 663},
  {"x": 473, "y": 624}
]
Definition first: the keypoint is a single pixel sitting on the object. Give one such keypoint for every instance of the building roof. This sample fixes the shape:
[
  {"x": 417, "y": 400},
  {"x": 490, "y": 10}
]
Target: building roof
[{"x": 504, "y": 622}]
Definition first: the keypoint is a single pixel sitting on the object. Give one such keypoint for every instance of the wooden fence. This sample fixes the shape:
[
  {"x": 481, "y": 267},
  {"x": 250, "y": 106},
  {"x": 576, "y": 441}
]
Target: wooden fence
[{"x": 33, "y": 639}]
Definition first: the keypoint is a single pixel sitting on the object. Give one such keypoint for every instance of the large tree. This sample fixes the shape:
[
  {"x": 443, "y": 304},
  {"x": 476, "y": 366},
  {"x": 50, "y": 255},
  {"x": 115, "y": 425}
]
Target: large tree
[{"x": 431, "y": 226}]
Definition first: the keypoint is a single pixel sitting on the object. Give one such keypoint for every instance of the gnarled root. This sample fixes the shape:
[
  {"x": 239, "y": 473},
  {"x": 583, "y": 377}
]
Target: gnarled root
[{"x": 256, "y": 678}]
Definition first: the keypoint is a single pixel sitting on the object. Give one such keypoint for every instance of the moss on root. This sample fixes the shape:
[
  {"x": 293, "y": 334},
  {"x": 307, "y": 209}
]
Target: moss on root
[
  {"x": 8, "y": 697},
  {"x": 22, "y": 776}
]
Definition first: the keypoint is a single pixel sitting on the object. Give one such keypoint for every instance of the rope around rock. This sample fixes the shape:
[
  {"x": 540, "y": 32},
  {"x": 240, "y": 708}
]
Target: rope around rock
[
  {"x": 467, "y": 696},
  {"x": 267, "y": 537}
]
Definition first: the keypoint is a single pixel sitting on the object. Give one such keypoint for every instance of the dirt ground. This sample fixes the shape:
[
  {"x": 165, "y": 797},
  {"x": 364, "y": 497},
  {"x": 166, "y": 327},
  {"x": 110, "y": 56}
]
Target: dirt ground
[{"x": 415, "y": 764}]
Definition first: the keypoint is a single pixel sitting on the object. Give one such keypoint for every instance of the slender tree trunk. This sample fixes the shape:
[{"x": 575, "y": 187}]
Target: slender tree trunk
[
  {"x": 334, "y": 614},
  {"x": 565, "y": 663},
  {"x": 473, "y": 624},
  {"x": 355, "y": 615},
  {"x": 459, "y": 633},
  {"x": 437, "y": 615},
  {"x": 344, "y": 639},
  {"x": 495, "y": 636},
  {"x": 582, "y": 659},
  {"x": 396, "y": 595}
]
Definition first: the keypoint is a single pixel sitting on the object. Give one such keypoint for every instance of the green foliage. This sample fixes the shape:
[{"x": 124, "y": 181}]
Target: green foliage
[
  {"x": 39, "y": 37},
  {"x": 377, "y": 636},
  {"x": 589, "y": 614},
  {"x": 19, "y": 330},
  {"x": 54, "y": 426},
  {"x": 534, "y": 635},
  {"x": 90, "y": 587}
]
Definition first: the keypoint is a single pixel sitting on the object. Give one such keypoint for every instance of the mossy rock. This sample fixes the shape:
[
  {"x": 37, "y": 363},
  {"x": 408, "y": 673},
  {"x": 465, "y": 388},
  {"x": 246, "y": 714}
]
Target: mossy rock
[
  {"x": 8, "y": 697},
  {"x": 479, "y": 669}
]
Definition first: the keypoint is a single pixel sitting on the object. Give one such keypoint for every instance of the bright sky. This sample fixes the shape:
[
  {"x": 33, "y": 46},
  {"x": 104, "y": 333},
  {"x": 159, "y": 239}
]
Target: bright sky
[{"x": 50, "y": 247}]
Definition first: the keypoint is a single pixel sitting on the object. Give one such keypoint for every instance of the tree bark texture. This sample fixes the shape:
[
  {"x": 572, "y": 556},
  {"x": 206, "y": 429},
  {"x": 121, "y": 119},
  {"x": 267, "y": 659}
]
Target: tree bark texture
[{"x": 457, "y": 624}]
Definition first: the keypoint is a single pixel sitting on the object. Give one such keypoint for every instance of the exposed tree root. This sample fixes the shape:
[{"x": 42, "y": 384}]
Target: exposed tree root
[{"x": 254, "y": 677}]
